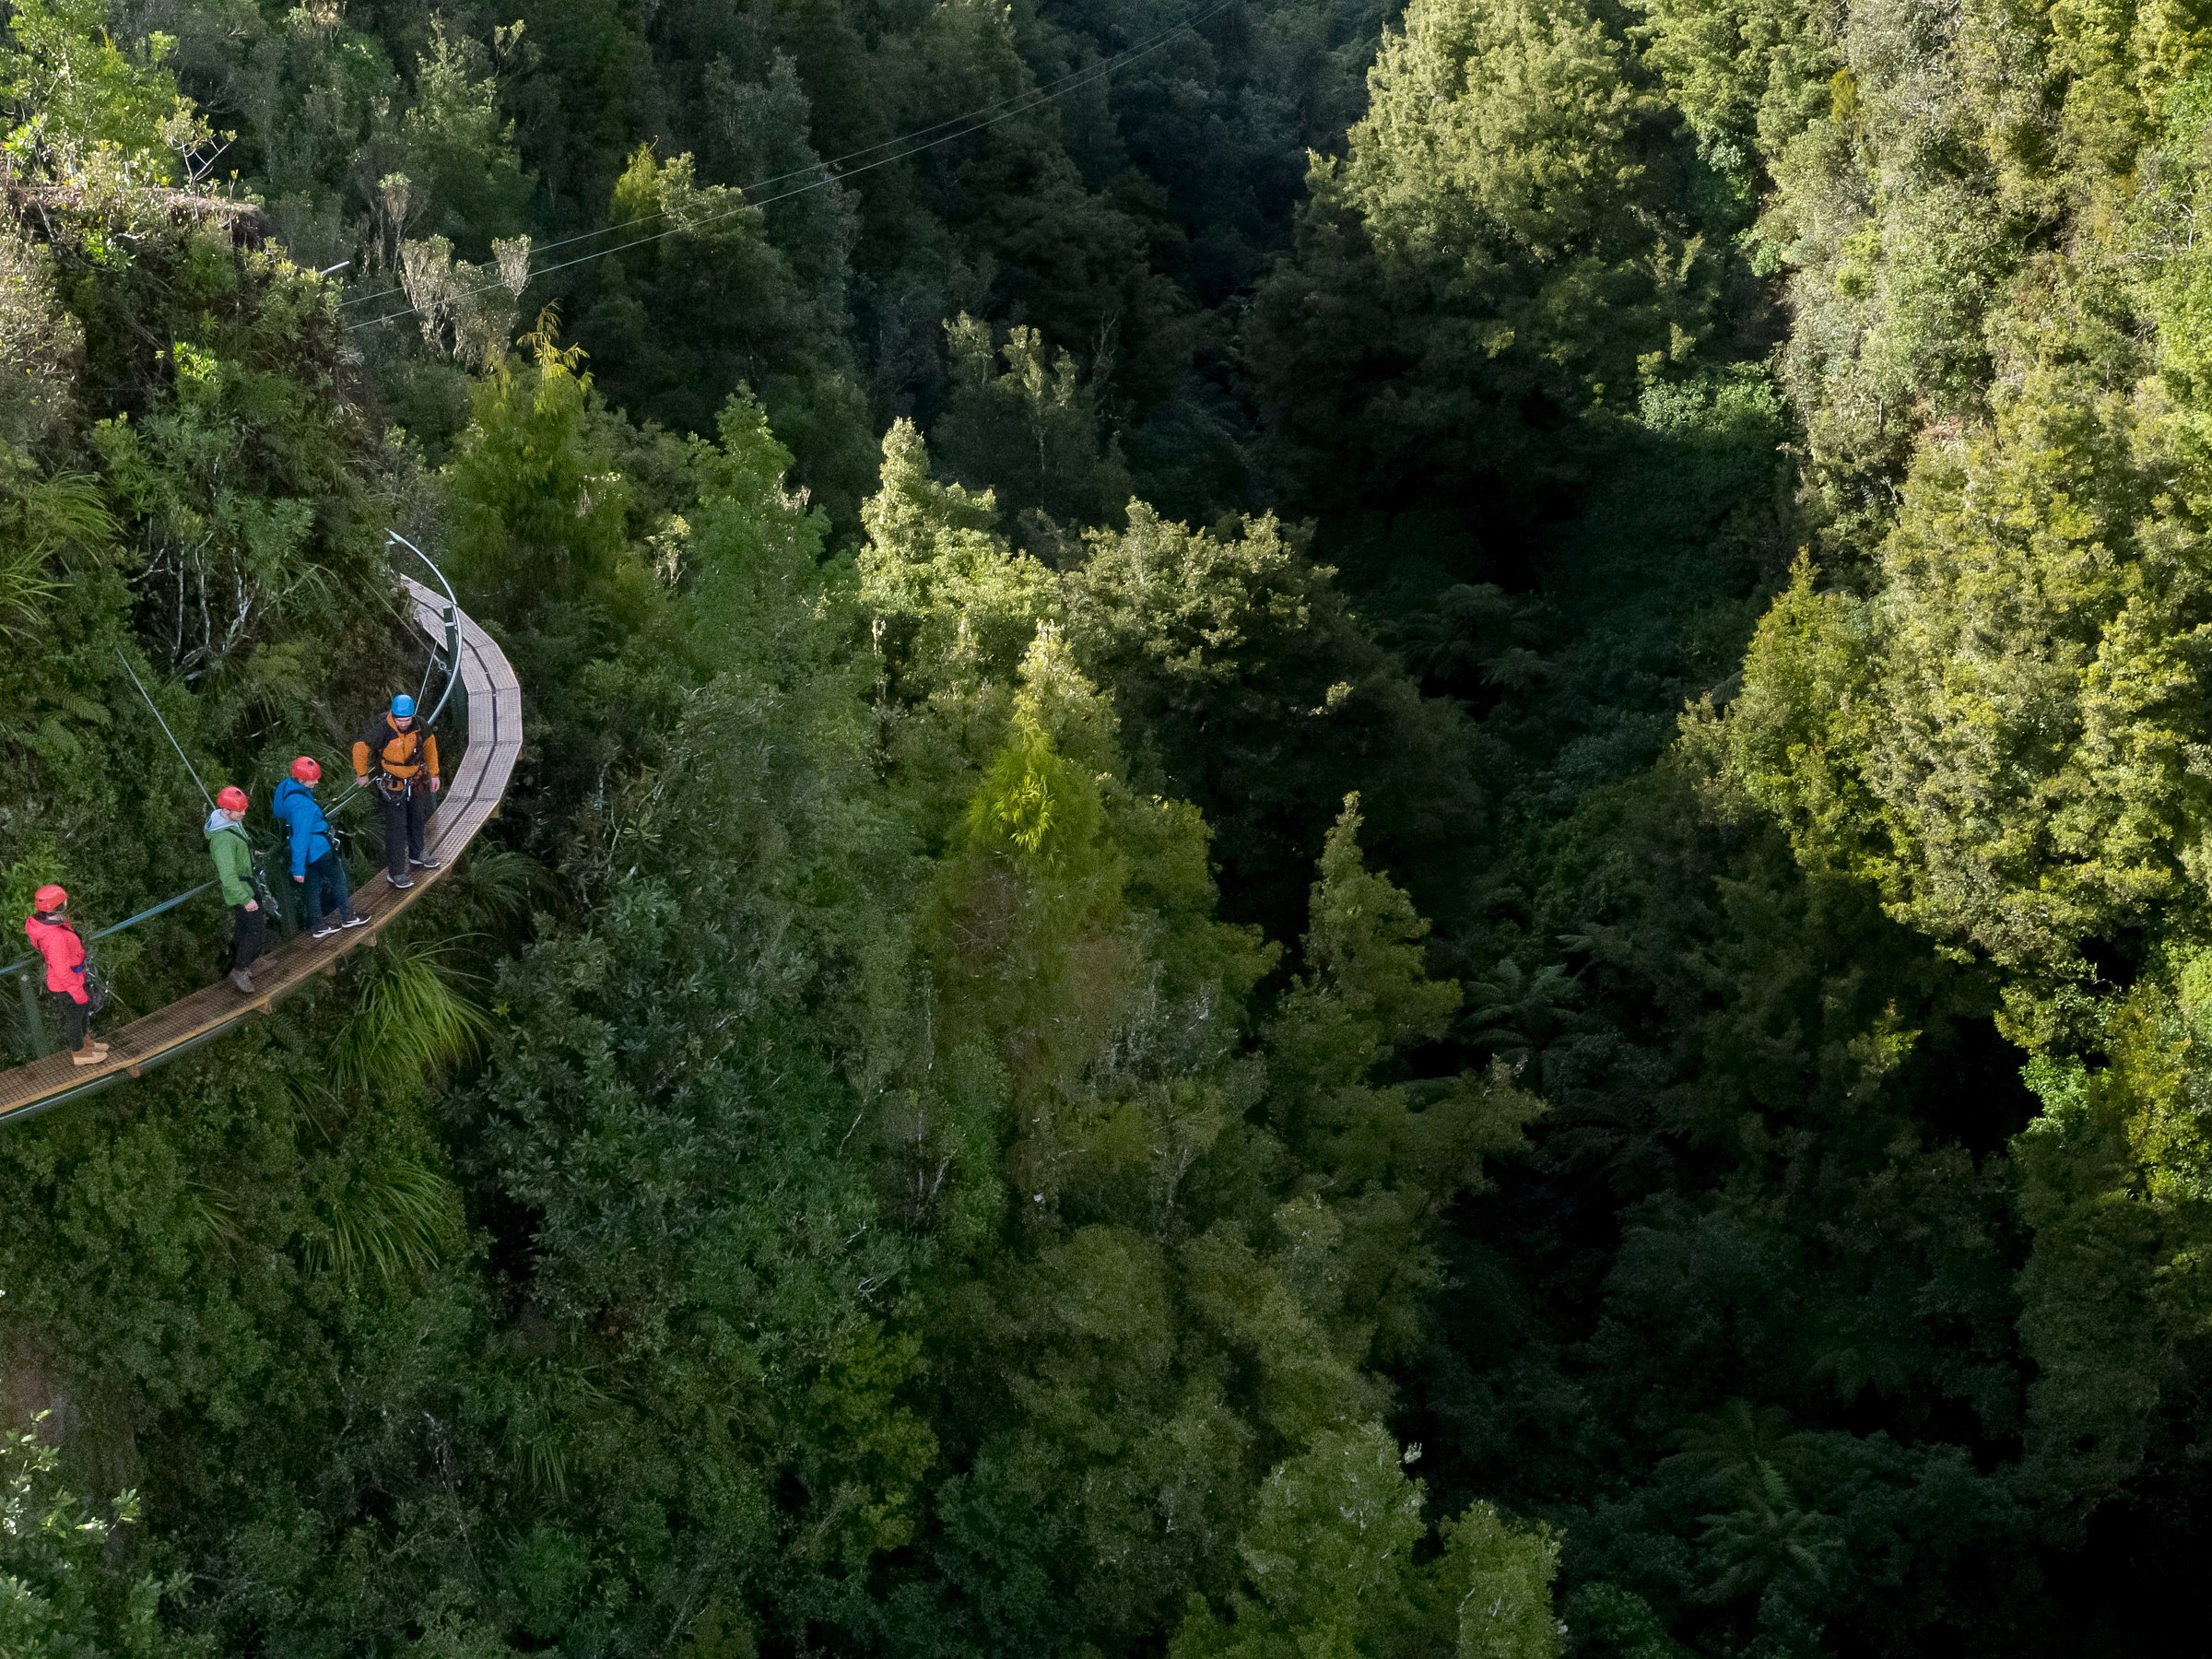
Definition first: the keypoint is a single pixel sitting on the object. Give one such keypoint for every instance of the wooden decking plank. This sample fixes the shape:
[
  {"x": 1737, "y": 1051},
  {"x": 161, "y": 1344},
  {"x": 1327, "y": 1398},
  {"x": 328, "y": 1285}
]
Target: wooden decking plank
[{"x": 468, "y": 802}]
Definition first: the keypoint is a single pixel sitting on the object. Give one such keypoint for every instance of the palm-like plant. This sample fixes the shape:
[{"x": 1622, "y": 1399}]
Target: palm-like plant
[
  {"x": 545, "y": 1398},
  {"x": 387, "y": 1219},
  {"x": 495, "y": 885},
  {"x": 409, "y": 1022},
  {"x": 1514, "y": 1012},
  {"x": 39, "y": 516},
  {"x": 1470, "y": 638},
  {"x": 1765, "y": 1535}
]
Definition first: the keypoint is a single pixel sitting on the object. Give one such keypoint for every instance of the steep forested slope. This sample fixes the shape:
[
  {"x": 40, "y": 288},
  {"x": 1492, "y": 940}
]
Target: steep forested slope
[{"x": 1348, "y": 828}]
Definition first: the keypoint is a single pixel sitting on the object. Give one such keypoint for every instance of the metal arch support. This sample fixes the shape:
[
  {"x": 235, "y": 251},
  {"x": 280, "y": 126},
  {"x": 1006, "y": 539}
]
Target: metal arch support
[
  {"x": 479, "y": 786},
  {"x": 453, "y": 624},
  {"x": 34, "y": 1028}
]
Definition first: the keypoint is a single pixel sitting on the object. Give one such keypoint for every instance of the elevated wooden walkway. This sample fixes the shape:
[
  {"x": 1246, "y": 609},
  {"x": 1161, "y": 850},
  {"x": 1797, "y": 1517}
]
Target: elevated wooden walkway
[{"x": 470, "y": 798}]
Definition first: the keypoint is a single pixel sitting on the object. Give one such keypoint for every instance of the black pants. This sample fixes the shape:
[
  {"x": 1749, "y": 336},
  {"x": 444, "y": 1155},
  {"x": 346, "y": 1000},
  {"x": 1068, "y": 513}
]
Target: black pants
[
  {"x": 404, "y": 813},
  {"x": 76, "y": 1018},
  {"x": 249, "y": 934}
]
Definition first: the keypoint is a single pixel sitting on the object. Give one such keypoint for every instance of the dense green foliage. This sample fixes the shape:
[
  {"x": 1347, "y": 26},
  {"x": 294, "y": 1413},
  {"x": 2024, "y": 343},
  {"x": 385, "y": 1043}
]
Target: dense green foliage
[{"x": 1380, "y": 834}]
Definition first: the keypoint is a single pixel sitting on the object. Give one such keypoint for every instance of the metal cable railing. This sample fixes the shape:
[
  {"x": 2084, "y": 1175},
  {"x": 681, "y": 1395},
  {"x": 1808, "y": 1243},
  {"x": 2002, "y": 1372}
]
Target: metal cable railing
[{"x": 24, "y": 971}]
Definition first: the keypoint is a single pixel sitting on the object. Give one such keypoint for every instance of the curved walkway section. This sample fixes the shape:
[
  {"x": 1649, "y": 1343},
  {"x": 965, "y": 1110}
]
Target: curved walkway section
[{"x": 467, "y": 805}]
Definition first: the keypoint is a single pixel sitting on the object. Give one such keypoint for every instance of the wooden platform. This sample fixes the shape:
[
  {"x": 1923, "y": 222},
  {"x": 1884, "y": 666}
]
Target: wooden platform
[{"x": 471, "y": 795}]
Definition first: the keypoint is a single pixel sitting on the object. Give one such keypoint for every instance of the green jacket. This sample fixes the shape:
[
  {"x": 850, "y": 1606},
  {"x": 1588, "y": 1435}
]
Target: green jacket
[{"x": 233, "y": 855}]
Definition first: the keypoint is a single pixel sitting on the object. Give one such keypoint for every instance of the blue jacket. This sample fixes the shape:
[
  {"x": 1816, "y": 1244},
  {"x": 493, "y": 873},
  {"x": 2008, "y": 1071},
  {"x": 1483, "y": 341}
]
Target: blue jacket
[{"x": 294, "y": 805}]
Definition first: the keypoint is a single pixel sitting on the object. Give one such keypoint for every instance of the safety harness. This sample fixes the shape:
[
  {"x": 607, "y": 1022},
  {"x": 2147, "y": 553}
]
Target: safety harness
[{"x": 382, "y": 738}]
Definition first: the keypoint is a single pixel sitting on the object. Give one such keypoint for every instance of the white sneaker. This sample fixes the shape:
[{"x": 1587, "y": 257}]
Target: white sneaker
[
  {"x": 402, "y": 882},
  {"x": 355, "y": 921},
  {"x": 324, "y": 931}
]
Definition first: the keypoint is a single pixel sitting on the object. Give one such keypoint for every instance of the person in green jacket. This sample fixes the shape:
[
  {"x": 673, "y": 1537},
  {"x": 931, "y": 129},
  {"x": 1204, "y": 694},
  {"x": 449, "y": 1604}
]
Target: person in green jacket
[{"x": 233, "y": 855}]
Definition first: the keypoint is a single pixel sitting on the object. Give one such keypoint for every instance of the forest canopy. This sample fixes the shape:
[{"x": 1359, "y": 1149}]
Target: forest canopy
[{"x": 1347, "y": 826}]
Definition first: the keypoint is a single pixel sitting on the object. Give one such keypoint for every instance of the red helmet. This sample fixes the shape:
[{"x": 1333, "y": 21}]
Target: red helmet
[
  {"x": 308, "y": 770},
  {"x": 232, "y": 799},
  {"x": 49, "y": 898}
]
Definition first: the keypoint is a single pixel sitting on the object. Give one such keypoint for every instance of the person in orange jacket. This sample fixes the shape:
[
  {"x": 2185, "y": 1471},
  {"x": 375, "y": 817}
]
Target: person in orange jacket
[
  {"x": 401, "y": 761},
  {"x": 50, "y": 935}
]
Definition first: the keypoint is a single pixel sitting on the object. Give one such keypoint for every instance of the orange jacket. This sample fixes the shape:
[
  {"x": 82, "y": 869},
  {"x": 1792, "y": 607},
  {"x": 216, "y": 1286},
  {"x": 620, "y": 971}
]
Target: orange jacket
[{"x": 404, "y": 755}]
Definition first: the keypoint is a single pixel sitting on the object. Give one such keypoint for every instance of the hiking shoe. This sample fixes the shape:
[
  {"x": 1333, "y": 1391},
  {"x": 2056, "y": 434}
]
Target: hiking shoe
[
  {"x": 353, "y": 921},
  {"x": 401, "y": 882},
  {"x": 88, "y": 1056},
  {"x": 243, "y": 981},
  {"x": 427, "y": 863},
  {"x": 324, "y": 931}
]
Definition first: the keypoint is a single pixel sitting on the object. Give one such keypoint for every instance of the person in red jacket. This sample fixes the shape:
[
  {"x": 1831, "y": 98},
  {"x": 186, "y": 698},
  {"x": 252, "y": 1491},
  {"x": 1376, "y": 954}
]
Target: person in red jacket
[{"x": 50, "y": 934}]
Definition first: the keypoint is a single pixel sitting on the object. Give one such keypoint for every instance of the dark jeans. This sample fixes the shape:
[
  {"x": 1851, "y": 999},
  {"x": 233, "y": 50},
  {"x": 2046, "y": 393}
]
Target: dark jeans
[
  {"x": 76, "y": 1018},
  {"x": 404, "y": 813},
  {"x": 249, "y": 934},
  {"x": 326, "y": 880}
]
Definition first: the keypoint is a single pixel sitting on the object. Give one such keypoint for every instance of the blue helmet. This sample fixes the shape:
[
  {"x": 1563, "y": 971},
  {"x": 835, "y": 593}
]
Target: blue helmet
[{"x": 402, "y": 706}]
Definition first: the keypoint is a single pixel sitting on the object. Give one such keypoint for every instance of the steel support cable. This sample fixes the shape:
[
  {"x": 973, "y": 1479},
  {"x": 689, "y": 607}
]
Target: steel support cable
[
  {"x": 190, "y": 1022},
  {"x": 155, "y": 710},
  {"x": 336, "y": 807},
  {"x": 1029, "y": 97},
  {"x": 1098, "y": 73},
  {"x": 452, "y": 630}
]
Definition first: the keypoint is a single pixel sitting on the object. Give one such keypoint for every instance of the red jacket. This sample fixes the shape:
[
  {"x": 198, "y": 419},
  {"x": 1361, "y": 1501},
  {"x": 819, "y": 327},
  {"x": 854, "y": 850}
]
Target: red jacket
[{"x": 65, "y": 953}]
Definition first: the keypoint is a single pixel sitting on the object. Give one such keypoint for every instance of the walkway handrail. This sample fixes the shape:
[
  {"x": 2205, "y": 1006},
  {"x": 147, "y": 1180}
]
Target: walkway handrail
[
  {"x": 474, "y": 795},
  {"x": 23, "y": 963},
  {"x": 33, "y": 1026},
  {"x": 23, "y": 966}
]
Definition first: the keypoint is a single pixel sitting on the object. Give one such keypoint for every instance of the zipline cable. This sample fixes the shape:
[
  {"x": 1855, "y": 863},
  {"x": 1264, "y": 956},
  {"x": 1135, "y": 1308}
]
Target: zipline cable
[
  {"x": 1096, "y": 73},
  {"x": 164, "y": 725},
  {"x": 1029, "y": 97}
]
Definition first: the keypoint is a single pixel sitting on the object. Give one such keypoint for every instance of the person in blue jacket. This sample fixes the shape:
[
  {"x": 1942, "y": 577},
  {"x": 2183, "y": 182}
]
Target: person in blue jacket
[{"x": 315, "y": 860}]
